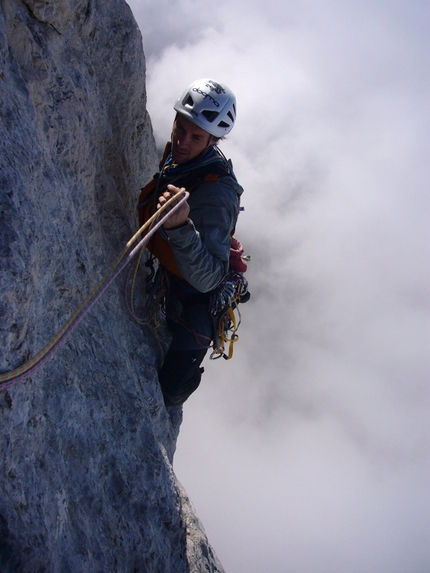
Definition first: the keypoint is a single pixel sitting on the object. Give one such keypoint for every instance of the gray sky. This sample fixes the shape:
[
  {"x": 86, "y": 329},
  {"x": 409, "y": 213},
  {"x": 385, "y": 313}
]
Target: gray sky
[{"x": 309, "y": 451}]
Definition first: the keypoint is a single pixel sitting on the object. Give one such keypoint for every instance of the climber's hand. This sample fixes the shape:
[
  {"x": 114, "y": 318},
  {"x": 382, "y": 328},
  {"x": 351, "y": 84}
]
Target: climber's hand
[{"x": 180, "y": 216}]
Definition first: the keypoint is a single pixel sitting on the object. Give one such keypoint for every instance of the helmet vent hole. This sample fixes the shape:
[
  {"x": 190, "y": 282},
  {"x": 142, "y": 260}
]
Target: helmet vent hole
[
  {"x": 210, "y": 115},
  {"x": 230, "y": 115},
  {"x": 188, "y": 101},
  {"x": 223, "y": 124}
]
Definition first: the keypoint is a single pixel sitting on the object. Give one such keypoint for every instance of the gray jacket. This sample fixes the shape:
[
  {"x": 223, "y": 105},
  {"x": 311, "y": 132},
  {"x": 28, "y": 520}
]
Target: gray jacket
[{"x": 202, "y": 246}]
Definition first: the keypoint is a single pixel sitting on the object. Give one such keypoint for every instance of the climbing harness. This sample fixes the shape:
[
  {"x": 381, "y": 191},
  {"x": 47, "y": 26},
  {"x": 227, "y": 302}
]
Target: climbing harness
[
  {"x": 143, "y": 235},
  {"x": 223, "y": 309}
]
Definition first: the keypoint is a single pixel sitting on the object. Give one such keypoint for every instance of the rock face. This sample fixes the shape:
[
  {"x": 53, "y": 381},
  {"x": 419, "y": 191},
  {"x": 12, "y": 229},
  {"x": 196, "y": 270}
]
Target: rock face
[{"x": 87, "y": 483}]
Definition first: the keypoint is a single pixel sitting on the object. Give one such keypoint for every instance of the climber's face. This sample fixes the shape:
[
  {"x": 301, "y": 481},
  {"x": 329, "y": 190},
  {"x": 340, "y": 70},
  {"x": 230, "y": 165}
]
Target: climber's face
[{"x": 188, "y": 140}]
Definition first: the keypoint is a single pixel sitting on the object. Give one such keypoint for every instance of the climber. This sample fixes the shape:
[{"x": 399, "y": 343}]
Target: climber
[{"x": 193, "y": 247}]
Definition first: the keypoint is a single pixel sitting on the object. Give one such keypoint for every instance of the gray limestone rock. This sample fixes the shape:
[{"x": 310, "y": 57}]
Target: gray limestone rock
[{"x": 86, "y": 443}]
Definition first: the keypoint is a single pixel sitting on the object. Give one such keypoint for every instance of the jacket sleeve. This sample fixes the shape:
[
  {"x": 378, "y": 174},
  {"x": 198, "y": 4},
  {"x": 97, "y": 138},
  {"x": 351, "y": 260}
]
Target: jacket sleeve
[{"x": 202, "y": 246}]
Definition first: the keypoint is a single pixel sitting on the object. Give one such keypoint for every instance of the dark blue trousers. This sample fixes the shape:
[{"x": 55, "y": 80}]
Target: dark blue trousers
[{"x": 181, "y": 372}]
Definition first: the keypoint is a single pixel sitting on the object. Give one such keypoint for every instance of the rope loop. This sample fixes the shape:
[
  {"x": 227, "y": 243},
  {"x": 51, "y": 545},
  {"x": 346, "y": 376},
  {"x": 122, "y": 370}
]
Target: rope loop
[{"x": 142, "y": 236}]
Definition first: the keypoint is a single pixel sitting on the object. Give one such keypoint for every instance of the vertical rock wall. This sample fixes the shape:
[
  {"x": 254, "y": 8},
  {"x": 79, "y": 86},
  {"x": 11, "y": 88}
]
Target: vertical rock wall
[{"x": 86, "y": 443}]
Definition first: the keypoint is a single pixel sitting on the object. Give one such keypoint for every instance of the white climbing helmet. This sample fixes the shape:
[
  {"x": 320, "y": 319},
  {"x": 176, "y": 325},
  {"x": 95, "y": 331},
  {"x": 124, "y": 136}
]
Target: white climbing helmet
[{"x": 210, "y": 105}]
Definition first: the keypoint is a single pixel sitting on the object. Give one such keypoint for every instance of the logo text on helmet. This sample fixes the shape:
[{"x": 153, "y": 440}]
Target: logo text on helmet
[
  {"x": 206, "y": 95},
  {"x": 213, "y": 86}
]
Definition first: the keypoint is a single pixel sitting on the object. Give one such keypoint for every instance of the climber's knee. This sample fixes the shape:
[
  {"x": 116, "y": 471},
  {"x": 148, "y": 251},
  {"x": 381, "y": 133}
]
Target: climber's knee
[{"x": 181, "y": 374}]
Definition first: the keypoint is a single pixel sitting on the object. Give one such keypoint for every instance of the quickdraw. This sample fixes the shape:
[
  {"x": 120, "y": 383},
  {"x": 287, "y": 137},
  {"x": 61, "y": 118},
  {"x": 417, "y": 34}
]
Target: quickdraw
[
  {"x": 226, "y": 315},
  {"x": 7, "y": 379}
]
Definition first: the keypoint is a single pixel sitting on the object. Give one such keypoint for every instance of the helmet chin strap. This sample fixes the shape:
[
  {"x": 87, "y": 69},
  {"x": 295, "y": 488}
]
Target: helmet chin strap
[{"x": 210, "y": 144}]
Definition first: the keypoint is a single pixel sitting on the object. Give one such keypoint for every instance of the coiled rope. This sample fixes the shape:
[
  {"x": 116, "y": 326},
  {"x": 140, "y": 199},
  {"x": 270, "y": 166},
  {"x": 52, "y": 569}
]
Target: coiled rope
[{"x": 145, "y": 232}]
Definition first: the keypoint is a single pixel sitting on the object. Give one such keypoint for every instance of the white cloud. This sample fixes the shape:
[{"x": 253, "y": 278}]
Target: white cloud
[{"x": 309, "y": 450}]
